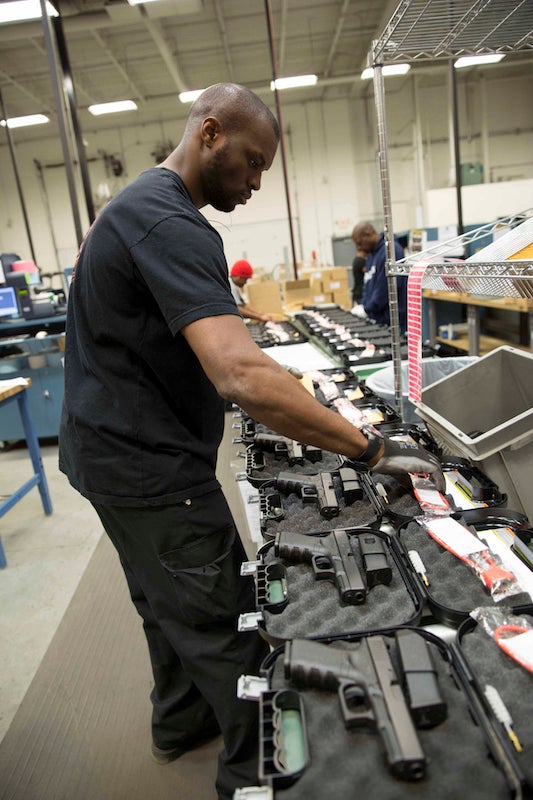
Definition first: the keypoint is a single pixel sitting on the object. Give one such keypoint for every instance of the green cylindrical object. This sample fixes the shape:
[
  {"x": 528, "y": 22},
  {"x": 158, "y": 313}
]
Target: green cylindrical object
[
  {"x": 275, "y": 592},
  {"x": 293, "y": 740}
]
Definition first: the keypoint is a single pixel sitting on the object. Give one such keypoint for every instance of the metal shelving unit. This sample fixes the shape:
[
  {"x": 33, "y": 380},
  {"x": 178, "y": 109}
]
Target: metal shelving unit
[
  {"x": 510, "y": 278},
  {"x": 425, "y": 30}
]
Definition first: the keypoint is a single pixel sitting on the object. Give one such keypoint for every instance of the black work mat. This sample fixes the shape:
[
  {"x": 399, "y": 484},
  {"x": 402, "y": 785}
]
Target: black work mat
[{"x": 83, "y": 728}]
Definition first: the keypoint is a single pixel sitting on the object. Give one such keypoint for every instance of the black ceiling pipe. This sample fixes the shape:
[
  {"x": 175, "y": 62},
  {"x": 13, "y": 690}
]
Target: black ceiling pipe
[
  {"x": 17, "y": 176},
  {"x": 273, "y": 60}
]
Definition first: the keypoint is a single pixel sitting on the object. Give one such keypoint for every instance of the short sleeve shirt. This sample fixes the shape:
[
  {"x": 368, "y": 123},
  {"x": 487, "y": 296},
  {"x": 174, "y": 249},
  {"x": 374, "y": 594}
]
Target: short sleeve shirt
[{"x": 141, "y": 422}]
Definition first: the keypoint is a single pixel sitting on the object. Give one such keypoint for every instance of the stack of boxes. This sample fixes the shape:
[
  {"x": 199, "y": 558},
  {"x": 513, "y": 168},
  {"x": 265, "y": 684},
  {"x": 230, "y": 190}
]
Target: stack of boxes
[
  {"x": 265, "y": 296},
  {"x": 313, "y": 287},
  {"x": 319, "y": 285}
]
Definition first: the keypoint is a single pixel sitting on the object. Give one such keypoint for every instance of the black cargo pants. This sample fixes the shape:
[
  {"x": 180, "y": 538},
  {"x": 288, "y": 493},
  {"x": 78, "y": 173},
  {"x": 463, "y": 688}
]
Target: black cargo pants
[{"x": 182, "y": 564}]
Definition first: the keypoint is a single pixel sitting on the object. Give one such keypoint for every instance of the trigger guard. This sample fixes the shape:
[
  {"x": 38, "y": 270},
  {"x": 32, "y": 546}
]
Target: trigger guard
[
  {"x": 322, "y": 567},
  {"x": 353, "y": 719}
]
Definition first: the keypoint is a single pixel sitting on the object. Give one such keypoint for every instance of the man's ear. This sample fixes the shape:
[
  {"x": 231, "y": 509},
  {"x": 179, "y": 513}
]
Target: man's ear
[{"x": 210, "y": 130}]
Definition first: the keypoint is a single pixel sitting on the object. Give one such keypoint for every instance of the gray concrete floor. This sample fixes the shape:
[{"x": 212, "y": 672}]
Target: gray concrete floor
[{"x": 46, "y": 557}]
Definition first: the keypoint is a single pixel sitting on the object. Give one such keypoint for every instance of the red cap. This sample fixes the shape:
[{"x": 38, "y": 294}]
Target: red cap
[{"x": 242, "y": 269}]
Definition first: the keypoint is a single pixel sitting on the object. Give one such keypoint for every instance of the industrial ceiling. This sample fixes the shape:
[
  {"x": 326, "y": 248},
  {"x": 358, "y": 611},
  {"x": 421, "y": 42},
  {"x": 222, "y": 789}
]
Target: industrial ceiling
[{"x": 149, "y": 53}]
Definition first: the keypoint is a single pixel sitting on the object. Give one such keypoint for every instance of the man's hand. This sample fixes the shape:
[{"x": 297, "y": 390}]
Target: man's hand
[
  {"x": 401, "y": 458},
  {"x": 358, "y": 311}
]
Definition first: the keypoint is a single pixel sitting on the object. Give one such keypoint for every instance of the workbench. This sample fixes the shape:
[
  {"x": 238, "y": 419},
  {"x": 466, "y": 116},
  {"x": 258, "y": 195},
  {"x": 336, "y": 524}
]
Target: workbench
[
  {"x": 475, "y": 343},
  {"x": 16, "y": 391},
  {"x": 23, "y": 354}
]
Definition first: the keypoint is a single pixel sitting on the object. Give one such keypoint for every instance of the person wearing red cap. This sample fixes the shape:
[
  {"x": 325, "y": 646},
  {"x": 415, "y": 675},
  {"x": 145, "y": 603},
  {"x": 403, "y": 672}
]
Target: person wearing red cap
[{"x": 240, "y": 273}]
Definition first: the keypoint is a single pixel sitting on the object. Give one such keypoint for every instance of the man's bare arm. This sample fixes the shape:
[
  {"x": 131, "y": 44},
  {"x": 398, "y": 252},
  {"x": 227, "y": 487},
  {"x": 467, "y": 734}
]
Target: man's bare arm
[
  {"x": 250, "y": 313},
  {"x": 246, "y": 376}
]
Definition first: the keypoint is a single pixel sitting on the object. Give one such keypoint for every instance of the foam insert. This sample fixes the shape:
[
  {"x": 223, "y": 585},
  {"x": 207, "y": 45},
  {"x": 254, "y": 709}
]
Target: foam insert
[
  {"x": 454, "y": 589},
  {"x": 350, "y": 763},
  {"x": 315, "y": 609},
  {"x": 490, "y": 665},
  {"x": 305, "y": 518}
]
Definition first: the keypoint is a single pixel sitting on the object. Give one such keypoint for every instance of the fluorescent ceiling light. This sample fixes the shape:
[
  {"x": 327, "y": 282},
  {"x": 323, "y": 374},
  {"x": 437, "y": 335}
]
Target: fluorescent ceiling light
[
  {"x": 22, "y": 122},
  {"x": 19, "y": 10},
  {"x": 292, "y": 83},
  {"x": 138, "y": 2},
  {"x": 112, "y": 108},
  {"x": 389, "y": 69},
  {"x": 190, "y": 97},
  {"x": 473, "y": 61}
]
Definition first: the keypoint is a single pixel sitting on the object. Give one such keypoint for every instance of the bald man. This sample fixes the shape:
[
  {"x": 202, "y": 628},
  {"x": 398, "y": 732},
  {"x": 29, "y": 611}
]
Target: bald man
[{"x": 155, "y": 344}]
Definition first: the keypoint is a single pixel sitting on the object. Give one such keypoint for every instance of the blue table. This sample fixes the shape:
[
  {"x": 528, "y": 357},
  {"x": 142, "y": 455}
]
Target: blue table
[{"x": 10, "y": 393}]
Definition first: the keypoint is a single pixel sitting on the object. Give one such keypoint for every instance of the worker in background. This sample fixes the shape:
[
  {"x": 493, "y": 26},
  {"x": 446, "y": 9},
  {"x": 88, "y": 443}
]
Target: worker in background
[
  {"x": 240, "y": 273},
  {"x": 155, "y": 345},
  {"x": 358, "y": 272},
  {"x": 375, "y": 299}
]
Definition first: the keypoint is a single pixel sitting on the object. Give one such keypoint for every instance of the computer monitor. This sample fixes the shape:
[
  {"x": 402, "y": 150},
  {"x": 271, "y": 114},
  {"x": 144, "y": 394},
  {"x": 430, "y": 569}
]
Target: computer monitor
[{"x": 8, "y": 303}]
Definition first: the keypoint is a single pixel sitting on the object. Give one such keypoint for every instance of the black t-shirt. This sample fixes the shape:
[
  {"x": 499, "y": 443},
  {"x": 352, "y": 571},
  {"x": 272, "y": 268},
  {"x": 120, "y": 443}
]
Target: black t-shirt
[{"x": 141, "y": 421}]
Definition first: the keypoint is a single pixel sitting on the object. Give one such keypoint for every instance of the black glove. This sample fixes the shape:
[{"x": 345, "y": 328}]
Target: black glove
[{"x": 400, "y": 458}]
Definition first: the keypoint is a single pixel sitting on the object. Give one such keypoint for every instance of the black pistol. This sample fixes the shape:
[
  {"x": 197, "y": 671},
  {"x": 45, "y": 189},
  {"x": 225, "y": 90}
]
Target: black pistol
[{"x": 367, "y": 671}]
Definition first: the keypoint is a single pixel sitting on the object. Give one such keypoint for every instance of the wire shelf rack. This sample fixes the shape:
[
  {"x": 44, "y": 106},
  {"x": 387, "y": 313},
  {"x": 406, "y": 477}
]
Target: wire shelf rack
[
  {"x": 428, "y": 30},
  {"x": 511, "y": 278},
  {"x": 422, "y": 30}
]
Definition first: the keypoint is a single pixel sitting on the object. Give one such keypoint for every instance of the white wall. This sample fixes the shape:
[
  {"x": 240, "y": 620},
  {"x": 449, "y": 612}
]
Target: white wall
[
  {"x": 332, "y": 166},
  {"x": 481, "y": 203}
]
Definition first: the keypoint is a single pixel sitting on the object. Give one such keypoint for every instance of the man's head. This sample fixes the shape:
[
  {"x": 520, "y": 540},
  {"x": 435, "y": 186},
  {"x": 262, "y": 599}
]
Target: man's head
[
  {"x": 241, "y": 271},
  {"x": 365, "y": 237},
  {"x": 231, "y": 137}
]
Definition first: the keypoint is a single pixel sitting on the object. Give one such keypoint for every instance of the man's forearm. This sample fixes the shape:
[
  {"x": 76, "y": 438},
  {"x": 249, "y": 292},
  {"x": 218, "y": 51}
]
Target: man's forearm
[
  {"x": 251, "y": 313},
  {"x": 282, "y": 403},
  {"x": 246, "y": 376}
]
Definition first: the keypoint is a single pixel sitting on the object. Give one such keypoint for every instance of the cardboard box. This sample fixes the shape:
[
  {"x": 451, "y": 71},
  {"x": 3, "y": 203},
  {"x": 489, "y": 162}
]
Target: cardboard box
[
  {"x": 335, "y": 273},
  {"x": 343, "y": 298},
  {"x": 326, "y": 274},
  {"x": 298, "y": 291},
  {"x": 316, "y": 286},
  {"x": 336, "y": 284},
  {"x": 264, "y": 296},
  {"x": 261, "y": 275},
  {"x": 325, "y": 297},
  {"x": 311, "y": 274}
]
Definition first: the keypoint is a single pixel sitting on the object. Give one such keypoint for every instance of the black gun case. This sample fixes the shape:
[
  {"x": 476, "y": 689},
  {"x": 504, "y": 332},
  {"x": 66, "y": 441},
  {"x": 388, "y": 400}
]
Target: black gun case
[
  {"x": 315, "y": 747},
  {"x": 292, "y": 602}
]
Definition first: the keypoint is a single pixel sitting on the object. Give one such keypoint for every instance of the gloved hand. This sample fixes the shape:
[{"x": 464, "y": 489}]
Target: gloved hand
[
  {"x": 294, "y": 371},
  {"x": 358, "y": 311},
  {"x": 401, "y": 458}
]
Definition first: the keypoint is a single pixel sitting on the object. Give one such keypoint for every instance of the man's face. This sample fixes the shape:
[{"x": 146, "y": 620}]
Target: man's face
[
  {"x": 365, "y": 241},
  {"x": 239, "y": 280},
  {"x": 236, "y": 165}
]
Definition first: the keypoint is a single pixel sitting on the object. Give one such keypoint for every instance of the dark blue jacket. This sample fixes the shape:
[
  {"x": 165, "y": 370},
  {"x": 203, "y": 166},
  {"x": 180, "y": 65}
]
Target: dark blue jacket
[{"x": 375, "y": 289}]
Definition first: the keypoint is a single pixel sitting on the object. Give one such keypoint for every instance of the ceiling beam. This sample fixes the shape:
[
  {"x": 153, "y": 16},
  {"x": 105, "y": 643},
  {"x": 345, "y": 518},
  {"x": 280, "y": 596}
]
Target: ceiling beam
[
  {"x": 116, "y": 63},
  {"x": 224, "y": 38},
  {"x": 164, "y": 50},
  {"x": 336, "y": 36},
  {"x": 12, "y": 82}
]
